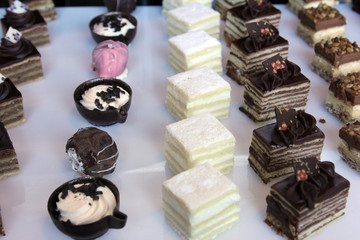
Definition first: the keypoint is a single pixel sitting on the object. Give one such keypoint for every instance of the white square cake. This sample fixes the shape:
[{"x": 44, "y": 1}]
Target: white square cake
[
  {"x": 192, "y": 17},
  {"x": 296, "y": 5},
  {"x": 171, "y": 4},
  {"x": 200, "y": 203},
  {"x": 196, "y": 140},
  {"x": 198, "y": 91},
  {"x": 194, "y": 50}
]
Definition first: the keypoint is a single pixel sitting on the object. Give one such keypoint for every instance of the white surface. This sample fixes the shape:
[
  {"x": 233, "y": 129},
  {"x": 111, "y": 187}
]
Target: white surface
[{"x": 52, "y": 119}]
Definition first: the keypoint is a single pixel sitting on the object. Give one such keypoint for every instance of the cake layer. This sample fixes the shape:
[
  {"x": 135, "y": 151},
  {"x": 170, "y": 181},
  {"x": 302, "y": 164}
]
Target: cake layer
[
  {"x": 45, "y": 7},
  {"x": 9, "y": 165},
  {"x": 311, "y": 37},
  {"x": 171, "y": 4},
  {"x": 296, "y": 5},
  {"x": 38, "y": 36},
  {"x": 222, "y": 6},
  {"x": 346, "y": 112},
  {"x": 12, "y": 113},
  {"x": 350, "y": 155}
]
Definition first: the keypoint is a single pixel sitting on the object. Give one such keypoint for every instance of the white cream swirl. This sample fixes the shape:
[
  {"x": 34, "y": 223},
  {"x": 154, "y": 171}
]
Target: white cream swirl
[{"x": 105, "y": 29}]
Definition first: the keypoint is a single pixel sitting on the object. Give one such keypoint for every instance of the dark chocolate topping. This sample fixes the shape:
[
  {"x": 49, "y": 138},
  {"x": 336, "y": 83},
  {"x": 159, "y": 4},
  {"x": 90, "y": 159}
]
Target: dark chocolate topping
[
  {"x": 266, "y": 37},
  {"x": 350, "y": 133},
  {"x": 89, "y": 189},
  {"x": 112, "y": 21},
  {"x": 253, "y": 8},
  {"x": 19, "y": 50},
  {"x": 17, "y": 20},
  {"x": 5, "y": 141},
  {"x": 4, "y": 90},
  {"x": 8, "y": 91},
  {"x": 347, "y": 88}
]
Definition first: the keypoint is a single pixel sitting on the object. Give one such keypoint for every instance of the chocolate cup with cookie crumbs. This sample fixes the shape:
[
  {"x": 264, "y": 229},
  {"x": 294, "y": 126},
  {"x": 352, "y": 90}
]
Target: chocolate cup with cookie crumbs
[{"x": 107, "y": 117}]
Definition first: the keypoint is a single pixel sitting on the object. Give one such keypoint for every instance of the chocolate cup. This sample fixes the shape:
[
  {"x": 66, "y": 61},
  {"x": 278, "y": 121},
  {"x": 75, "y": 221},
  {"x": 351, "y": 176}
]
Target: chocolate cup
[
  {"x": 102, "y": 118},
  {"x": 91, "y": 230},
  {"x": 127, "y": 6},
  {"x": 125, "y": 39}
]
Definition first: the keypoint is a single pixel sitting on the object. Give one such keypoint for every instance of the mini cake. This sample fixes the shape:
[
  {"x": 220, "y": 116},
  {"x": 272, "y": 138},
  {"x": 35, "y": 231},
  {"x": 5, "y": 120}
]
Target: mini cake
[
  {"x": 92, "y": 152},
  {"x": 254, "y": 11},
  {"x": 356, "y": 5},
  {"x": 282, "y": 85},
  {"x": 194, "y": 50},
  {"x": 247, "y": 54},
  {"x": 322, "y": 22},
  {"x": 19, "y": 59},
  {"x": 274, "y": 146},
  {"x": 30, "y": 23},
  {"x": 302, "y": 204},
  {"x": 296, "y": 5},
  {"x": 9, "y": 164},
  {"x": 336, "y": 57},
  {"x": 222, "y": 6},
  {"x": 171, "y": 4},
  {"x": 200, "y": 203},
  {"x": 109, "y": 59},
  {"x": 349, "y": 146},
  {"x": 198, "y": 91},
  {"x": 11, "y": 104},
  {"x": 196, "y": 140},
  {"x": 45, "y": 7},
  {"x": 343, "y": 99},
  {"x": 192, "y": 17},
  {"x": 2, "y": 231}
]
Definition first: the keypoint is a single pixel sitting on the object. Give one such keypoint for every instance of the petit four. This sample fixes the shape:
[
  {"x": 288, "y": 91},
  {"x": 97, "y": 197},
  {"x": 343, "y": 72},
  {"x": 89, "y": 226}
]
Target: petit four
[
  {"x": 2, "y": 231},
  {"x": 296, "y": 5},
  {"x": 274, "y": 146},
  {"x": 192, "y": 17},
  {"x": 254, "y": 11},
  {"x": 200, "y": 203},
  {"x": 171, "y": 4},
  {"x": 198, "y": 91},
  {"x": 127, "y": 6},
  {"x": 222, "y": 6},
  {"x": 335, "y": 57},
  {"x": 19, "y": 59},
  {"x": 248, "y": 53},
  {"x": 302, "y": 204},
  {"x": 92, "y": 152},
  {"x": 281, "y": 85},
  {"x": 194, "y": 50},
  {"x": 11, "y": 104},
  {"x": 45, "y": 7},
  {"x": 9, "y": 164},
  {"x": 196, "y": 140},
  {"x": 30, "y": 23},
  {"x": 322, "y": 22},
  {"x": 349, "y": 146}
]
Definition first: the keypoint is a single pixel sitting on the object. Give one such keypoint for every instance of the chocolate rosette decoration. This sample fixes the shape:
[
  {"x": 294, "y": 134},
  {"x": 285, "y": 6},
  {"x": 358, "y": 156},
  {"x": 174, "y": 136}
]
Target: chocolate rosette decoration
[
  {"x": 18, "y": 50},
  {"x": 4, "y": 90},
  {"x": 17, "y": 20},
  {"x": 253, "y": 8},
  {"x": 261, "y": 35}
]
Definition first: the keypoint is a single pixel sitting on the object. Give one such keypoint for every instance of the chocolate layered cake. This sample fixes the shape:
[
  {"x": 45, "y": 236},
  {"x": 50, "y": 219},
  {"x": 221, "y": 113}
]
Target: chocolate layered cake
[
  {"x": 349, "y": 146},
  {"x": 30, "y": 23},
  {"x": 281, "y": 85},
  {"x": 254, "y": 11},
  {"x": 11, "y": 104},
  {"x": 171, "y": 4},
  {"x": 222, "y": 6},
  {"x": 92, "y": 152},
  {"x": 9, "y": 164},
  {"x": 45, "y": 7},
  {"x": 19, "y": 59},
  {"x": 336, "y": 57},
  {"x": 320, "y": 23},
  {"x": 274, "y": 146},
  {"x": 296, "y": 5},
  {"x": 248, "y": 53},
  {"x": 2, "y": 231},
  {"x": 302, "y": 204},
  {"x": 343, "y": 99}
]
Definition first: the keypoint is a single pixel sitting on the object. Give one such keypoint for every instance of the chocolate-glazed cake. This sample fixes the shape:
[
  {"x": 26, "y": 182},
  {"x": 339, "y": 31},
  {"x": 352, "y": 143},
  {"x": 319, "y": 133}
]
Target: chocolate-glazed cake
[
  {"x": 2, "y": 231},
  {"x": 302, "y": 204},
  {"x": 356, "y": 5},
  {"x": 336, "y": 57},
  {"x": 274, "y": 146},
  {"x": 322, "y": 22},
  {"x": 92, "y": 152},
  {"x": 253, "y": 11},
  {"x": 248, "y": 53},
  {"x": 45, "y": 7},
  {"x": 296, "y": 5},
  {"x": 222, "y": 6},
  {"x": 349, "y": 146},
  {"x": 281, "y": 85}
]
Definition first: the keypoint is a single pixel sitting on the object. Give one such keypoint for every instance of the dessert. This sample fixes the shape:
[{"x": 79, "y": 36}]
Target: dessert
[
  {"x": 194, "y": 50},
  {"x": 356, "y": 5},
  {"x": 296, "y": 5},
  {"x": 171, "y": 4},
  {"x": 349, "y": 146},
  {"x": 200, "y": 203},
  {"x": 198, "y": 91},
  {"x": 19, "y": 59},
  {"x": 274, "y": 146},
  {"x": 248, "y": 53},
  {"x": 45, "y": 7},
  {"x": 222, "y": 6},
  {"x": 322, "y": 22},
  {"x": 336, "y": 57},
  {"x": 197, "y": 140},
  {"x": 11, "y": 104},
  {"x": 2, "y": 231},
  {"x": 109, "y": 59},
  {"x": 254, "y": 11},
  {"x": 120, "y": 5},
  {"x": 281, "y": 85},
  {"x": 343, "y": 99},
  {"x": 302, "y": 204},
  {"x": 30, "y": 23},
  {"x": 9, "y": 164},
  {"x": 92, "y": 152},
  {"x": 192, "y": 17}
]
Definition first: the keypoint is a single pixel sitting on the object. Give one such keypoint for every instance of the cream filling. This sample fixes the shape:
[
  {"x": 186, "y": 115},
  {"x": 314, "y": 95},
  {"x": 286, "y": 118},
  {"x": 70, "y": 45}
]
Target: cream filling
[
  {"x": 342, "y": 70},
  {"x": 353, "y": 112},
  {"x": 324, "y": 34}
]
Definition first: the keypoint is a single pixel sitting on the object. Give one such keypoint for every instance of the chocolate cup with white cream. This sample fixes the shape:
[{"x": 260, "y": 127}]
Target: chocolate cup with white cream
[
  {"x": 108, "y": 116},
  {"x": 91, "y": 230}
]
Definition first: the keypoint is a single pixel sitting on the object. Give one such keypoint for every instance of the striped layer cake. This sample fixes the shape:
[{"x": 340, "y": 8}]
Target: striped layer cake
[{"x": 222, "y": 6}]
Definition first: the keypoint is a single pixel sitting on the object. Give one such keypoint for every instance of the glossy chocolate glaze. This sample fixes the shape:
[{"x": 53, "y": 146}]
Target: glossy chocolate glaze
[
  {"x": 280, "y": 41},
  {"x": 5, "y": 141},
  {"x": 245, "y": 13},
  {"x": 22, "y": 21},
  {"x": 350, "y": 133},
  {"x": 347, "y": 88},
  {"x": 11, "y": 93}
]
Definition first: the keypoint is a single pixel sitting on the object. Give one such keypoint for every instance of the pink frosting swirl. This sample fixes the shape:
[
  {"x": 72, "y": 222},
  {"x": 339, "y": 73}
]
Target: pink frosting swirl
[{"x": 109, "y": 58}]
